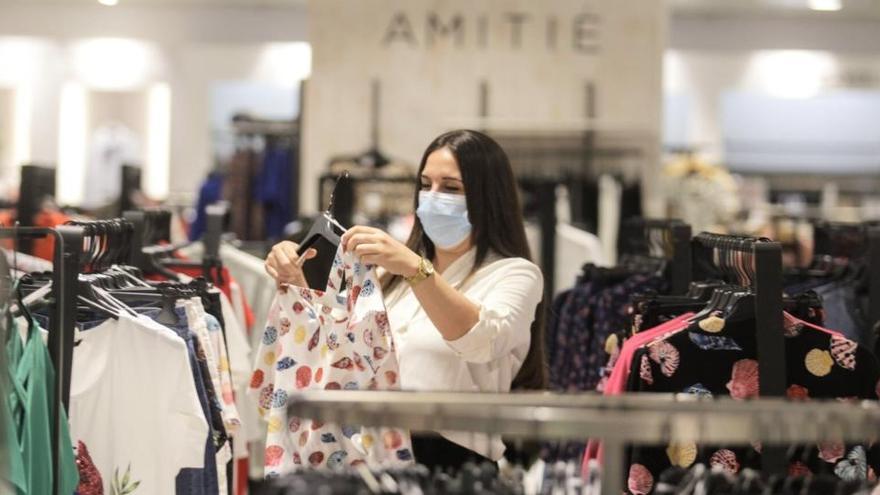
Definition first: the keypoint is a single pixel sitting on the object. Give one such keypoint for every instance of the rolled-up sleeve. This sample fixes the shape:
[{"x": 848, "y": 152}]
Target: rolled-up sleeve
[{"x": 506, "y": 313}]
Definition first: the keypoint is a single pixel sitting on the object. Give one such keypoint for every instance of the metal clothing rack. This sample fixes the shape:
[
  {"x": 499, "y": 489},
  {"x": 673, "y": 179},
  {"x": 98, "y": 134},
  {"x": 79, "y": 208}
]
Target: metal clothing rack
[
  {"x": 270, "y": 129},
  {"x": 131, "y": 182},
  {"x": 144, "y": 243},
  {"x": 755, "y": 263},
  {"x": 62, "y": 318},
  {"x": 37, "y": 183},
  {"x": 664, "y": 239},
  {"x": 616, "y": 420}
]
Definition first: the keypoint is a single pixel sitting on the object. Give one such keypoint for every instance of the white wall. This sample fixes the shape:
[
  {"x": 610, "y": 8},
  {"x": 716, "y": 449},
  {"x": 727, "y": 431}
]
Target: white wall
[
  {"x": 431, "y": 57},
  {"x": 774, "y": 32},
  {"x": 191, "y": 48},
  {"x": 781, "y": 56},
  {"x": 703, "y": 77}
]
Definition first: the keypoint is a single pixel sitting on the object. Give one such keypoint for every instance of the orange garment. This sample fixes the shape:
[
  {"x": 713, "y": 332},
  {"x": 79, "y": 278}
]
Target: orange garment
[
  {"x": 7, "y": 219},
  {"x": 45, "y": 247}
]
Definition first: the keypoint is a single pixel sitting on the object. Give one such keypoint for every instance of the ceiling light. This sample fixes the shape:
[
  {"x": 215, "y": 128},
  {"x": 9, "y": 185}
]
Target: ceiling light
[
  {"x": 108, "y": 3},
  {"x": 826, "y": 5}
]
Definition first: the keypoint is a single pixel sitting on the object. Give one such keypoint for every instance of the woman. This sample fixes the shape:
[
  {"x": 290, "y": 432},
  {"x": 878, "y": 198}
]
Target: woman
[{"x": 463, "y": 299}]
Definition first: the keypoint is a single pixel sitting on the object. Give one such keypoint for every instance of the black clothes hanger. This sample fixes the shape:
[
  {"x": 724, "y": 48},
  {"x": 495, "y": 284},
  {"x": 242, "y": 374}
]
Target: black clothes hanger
[{"x": 325, "y": 226}]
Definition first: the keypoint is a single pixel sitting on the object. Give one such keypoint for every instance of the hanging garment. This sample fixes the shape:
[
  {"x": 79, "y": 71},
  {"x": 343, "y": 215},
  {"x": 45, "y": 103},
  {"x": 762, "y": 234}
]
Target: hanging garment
[
  {"x": 713, "y": 358},
  {"x": 205, "y": 479},
  {"x": 339, "y": 339},
  {"x": 199, "y": 323},
  {"x": 31, "y": 386},
  {"x": 210, "y": 192},
  {"x": 134, "y": 409},
  {"x": 246, "y": 215},
  {"x": 272, "y": 188},
  {"x": 45, "y": 248},
  {"x": 583, "y": 319}
]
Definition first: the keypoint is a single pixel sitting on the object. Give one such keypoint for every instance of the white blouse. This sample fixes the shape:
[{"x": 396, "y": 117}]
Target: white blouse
[{"x": 485, "y": 359}]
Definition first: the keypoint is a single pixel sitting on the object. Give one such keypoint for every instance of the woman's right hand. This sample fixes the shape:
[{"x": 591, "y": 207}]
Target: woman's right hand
[{"x": 285, "y": 266}]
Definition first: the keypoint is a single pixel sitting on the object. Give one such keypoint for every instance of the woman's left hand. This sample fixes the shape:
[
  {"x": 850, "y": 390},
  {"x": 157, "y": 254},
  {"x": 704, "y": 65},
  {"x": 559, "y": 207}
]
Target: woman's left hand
[{"x": 375, "y": 247}]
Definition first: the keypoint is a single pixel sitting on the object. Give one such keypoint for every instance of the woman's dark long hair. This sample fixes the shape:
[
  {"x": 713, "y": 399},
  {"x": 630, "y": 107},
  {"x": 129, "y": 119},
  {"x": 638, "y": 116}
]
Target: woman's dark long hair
[{"x": 495, "y": 212}]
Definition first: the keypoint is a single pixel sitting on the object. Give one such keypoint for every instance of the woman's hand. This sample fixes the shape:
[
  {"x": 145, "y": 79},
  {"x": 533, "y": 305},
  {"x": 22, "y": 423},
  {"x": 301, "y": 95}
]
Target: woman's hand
[
  {"x": 375, "y": 247},
  {"x": 285, "y": 266}
]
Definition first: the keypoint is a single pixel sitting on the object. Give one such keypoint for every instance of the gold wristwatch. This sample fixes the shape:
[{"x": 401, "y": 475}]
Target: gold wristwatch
[{"x": 426, "y": 269}]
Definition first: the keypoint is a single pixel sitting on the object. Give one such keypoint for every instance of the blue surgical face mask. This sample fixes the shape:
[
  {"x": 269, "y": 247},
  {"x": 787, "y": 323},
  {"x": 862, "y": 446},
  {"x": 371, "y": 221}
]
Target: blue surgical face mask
[{"x": 444, "y": 218}]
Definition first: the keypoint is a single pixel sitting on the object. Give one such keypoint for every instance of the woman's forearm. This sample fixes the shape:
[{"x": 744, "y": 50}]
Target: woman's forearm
[{"x": 449, "y": 310}]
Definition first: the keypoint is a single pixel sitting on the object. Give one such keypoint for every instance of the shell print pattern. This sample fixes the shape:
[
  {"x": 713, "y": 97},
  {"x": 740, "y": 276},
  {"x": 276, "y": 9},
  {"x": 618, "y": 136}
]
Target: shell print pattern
[
  {"x": 257, "y": 379},
  {"x": 712, "y": 324},
  {"x": 270, "y": 335},
  {"x": 682, "y": 455},
  {"x": 792, "y": 328},
  {"x": 699, "y": 390},
  {"x": 285, "y": 363},
  {"x": 338, "y": 340},
  {"x": 819, "y": 362},
  {"x": 640, "y": 481},
  {"x": 666, "y": 355},
  {"x": 382, "y": 323},
  {"x": 368, "y": 288},
  {"x": 285, "y": 326},
  {"x": 359, "y": 362},
  {"x": 726, "y": 460},
  {"x": 645, "y": 371},
  {"x": 713, "y": 342},
  {"x": 843, "y": 351},
  {"x": 854, "y": 467},
  {"x": 266, "y": 394},
  {"x": 313, "y": 342},
  {"x": 797, "y": 392},
  {"x": 831, "y": 451},
  {"x": 743, "y": 382},
  {"x": 273, "y": 455}
]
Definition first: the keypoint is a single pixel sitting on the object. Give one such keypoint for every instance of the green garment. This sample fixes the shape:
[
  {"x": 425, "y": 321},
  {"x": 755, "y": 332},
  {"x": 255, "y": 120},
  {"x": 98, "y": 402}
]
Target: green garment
[
  {"x": 11, "y": 414},
  {"x": 32, "y": 404}
]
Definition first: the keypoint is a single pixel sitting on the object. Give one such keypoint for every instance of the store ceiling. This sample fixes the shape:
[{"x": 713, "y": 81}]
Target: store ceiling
[
  {"x": 172, "y": 3},
  {"x": 852, "y": 9}
]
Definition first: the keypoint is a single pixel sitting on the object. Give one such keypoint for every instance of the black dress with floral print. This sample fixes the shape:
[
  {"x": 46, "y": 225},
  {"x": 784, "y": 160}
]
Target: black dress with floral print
[{"x": 716, "y": 358}]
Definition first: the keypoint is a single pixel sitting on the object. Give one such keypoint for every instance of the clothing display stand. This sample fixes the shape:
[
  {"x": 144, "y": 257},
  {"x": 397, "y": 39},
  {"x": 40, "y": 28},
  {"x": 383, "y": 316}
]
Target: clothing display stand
[
  {"x": 545, "y": 197},
  {"x": 664, "y": 239},
  {"x": 149, "y": 232},
  {"x": 131, "y": 182},
  {"x": 271, "y": 130},
  {"x": 649, "y": 419},
  {"x": 36, "y": 184},
  {"x": 137, "y": 257},
  {"x": 62, "y": 317},
  {"x": 754, "y": 263}
]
